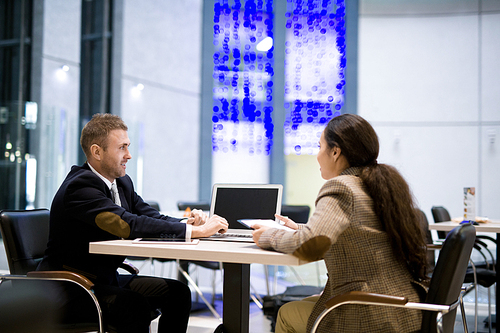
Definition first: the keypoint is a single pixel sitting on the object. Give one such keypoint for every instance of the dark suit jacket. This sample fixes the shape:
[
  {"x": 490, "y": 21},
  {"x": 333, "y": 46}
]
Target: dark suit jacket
[{"x": 83, "y": 211}]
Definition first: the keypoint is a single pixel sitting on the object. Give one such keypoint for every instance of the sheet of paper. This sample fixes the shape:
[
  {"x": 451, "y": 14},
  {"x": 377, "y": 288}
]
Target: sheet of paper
[
  {"x": 268, "y": 223},
  {"x": 164, "y": 241}
]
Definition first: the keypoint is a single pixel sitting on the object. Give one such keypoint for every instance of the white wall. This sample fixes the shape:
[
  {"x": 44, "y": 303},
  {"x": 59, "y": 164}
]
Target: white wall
[
  {"x": 429, "y": 82},
  {"x": 162, "y": 50}
]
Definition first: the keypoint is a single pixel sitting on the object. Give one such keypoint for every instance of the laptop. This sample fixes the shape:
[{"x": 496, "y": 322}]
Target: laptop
[{"x": 244, "y": 201}]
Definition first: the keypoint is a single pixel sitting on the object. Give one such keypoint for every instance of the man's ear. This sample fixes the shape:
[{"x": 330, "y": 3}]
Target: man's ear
[{"x": 96, "y": 151}]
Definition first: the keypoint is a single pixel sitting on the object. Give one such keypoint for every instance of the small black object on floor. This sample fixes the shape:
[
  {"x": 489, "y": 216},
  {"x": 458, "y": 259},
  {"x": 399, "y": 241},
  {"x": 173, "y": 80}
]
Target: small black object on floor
[{"x": 273, "y": 303}]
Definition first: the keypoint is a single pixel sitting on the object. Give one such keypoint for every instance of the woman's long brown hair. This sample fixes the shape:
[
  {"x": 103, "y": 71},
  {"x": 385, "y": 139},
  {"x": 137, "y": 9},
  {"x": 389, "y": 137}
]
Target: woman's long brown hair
[{"x": 393, "y": 201}]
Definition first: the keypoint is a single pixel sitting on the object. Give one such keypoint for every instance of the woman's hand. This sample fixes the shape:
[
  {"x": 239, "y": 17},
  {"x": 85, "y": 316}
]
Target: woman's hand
[
  {"x": 197, "y": 217},
  {"x": 212, "y": 226},
  {"x": 258, "y": 229},
  {"x": 287, "y": 222}
]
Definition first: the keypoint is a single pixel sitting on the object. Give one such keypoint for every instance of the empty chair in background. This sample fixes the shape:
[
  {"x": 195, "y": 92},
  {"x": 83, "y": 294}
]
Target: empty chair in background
[
  {"x": 201, "y": 205},
  {"x": 482, "y": 271},
  {"x": 431, "y": 257},
  {"x": 298, "y": 213}
]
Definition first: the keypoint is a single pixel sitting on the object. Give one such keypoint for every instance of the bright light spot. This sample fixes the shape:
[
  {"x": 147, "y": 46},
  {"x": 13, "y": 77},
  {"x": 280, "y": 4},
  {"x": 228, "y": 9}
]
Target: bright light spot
[
  {"x": 30, "y": 181},
  {"x": 61, "y": 73},
  {"x": 136, "y": 90},
  {"x": 265, "y": 44},
  {"x": 31, "y": 114},
  {"x": 65, "y": 68}
]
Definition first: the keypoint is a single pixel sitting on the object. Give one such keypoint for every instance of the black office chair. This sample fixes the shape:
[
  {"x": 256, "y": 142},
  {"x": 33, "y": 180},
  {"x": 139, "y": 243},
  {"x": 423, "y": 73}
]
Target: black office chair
[
  {"x": 203, "y": 205},
  {"x": 470, "y": 276},
  {"x": 483, "y": 272},
  {"x": 298, "y": 213},
  {"x": 154, "y": 204},
  {"x": 441, "y": 214},
  {"x": 25, "y": 235},
  {"x": 444, "y": 295},
  {"x": 431, "y": 256}
]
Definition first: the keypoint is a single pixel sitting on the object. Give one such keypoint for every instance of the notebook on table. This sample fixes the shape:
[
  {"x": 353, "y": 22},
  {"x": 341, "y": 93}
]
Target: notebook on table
[{"x": 244, "y": 201}]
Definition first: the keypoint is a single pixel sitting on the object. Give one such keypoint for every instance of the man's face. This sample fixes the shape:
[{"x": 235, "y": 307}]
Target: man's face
[{"x": 116, "y": 155}]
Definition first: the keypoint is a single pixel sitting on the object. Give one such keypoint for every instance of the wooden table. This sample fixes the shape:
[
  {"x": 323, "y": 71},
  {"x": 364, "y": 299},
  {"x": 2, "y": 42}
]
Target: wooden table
[
  {"x": 493, "y": 226},
  {"x": 236, "y": 256}
]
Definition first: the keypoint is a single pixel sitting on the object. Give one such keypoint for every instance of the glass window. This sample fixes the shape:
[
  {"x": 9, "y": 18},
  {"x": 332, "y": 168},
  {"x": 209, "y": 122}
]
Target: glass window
[
  {"x": 15, "y": 63},
  {"x": 95, "y": 85}
]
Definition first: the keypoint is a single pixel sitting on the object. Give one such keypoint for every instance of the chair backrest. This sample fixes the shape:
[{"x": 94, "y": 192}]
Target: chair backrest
[
  {"x": 440, "y": 214},
  {"x": 424, "y": 224},
  {"x": 154, "y": 204},
  {"x": 183, "y": 205},
  {"x": 298, "y": 213},
  {"x": 25, "y": 235},
  {"x": 449, "y": 274}
]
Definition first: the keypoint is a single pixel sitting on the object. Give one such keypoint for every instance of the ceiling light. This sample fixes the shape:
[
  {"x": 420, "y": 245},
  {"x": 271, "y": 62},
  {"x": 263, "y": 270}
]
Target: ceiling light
[{"x": 265, "y": 44}]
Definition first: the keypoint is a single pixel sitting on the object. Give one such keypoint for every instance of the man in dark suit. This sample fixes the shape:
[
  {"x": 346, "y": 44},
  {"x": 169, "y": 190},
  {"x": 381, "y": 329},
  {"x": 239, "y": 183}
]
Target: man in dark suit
[{"x": 97, "y": 202}]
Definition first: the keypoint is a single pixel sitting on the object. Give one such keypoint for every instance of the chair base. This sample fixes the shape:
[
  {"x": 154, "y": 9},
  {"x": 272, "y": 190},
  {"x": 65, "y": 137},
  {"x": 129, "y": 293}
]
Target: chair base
[{"x": 493, "y": 322}]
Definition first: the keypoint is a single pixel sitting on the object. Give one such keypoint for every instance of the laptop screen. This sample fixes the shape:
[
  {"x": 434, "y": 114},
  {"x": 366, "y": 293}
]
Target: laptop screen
[{"x": 245, "y": 201}]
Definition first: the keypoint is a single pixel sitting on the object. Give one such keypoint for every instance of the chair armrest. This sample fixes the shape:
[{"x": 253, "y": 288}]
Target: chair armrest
[
  {"x": 491, "y": 239},
  {"x": 67, "y": 275},
  {"x": 434, "y": 247},
  {"x": 364, "y": 298},
  {"x": 129, "y": 267},
  {"x": 360, "y": 297}
]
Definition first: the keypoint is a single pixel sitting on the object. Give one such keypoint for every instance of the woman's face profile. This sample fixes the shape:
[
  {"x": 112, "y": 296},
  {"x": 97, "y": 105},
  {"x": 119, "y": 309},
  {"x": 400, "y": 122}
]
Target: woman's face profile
[{"x": 325, "y": 159}]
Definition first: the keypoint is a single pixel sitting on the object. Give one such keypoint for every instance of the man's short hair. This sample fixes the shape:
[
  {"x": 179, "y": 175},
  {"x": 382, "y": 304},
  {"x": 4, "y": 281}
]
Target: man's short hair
[{"x": 96, "y": 131}]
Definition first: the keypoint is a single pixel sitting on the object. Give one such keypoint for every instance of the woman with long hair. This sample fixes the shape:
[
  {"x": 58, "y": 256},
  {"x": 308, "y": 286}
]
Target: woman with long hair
[{"x": 366, "y": 228}]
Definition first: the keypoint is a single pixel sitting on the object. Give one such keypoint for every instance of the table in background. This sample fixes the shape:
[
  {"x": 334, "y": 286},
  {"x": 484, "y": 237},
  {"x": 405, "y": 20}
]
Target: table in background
[
  {"x": 236, "y": 256},
  {"x": 493, "y": 226}
]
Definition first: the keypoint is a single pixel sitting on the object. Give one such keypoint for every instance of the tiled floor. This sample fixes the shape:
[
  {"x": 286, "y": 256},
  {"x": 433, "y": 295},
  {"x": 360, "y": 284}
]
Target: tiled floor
[{"x": 204, "y": 321}]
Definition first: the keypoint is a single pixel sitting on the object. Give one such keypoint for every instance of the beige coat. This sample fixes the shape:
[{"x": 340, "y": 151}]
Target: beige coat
[{"x": 345, "y": 232}]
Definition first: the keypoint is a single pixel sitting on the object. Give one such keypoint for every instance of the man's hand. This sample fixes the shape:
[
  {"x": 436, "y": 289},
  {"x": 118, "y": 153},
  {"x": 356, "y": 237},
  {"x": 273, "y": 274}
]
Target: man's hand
[
  {"x": 197, "y": 217},
  {"x": 212, "y": 226}
]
